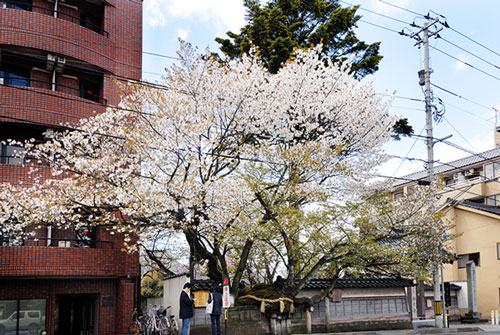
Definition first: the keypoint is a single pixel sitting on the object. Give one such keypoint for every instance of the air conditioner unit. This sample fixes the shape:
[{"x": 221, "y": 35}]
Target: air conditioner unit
[
  {"x": 60, "y": 63},
  {"x": 51, "y": 60},
  {"x": 469, "y": 172},
  {"x": 49, "y": 133}
]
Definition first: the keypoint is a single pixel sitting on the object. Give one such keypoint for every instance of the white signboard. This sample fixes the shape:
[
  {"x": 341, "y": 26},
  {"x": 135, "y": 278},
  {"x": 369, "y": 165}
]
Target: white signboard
[{"x": 226, "y": 302}]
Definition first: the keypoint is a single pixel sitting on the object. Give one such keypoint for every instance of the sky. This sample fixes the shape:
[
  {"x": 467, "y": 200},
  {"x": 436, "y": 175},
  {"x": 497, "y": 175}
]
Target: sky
[{"x": 469, "y": 113}]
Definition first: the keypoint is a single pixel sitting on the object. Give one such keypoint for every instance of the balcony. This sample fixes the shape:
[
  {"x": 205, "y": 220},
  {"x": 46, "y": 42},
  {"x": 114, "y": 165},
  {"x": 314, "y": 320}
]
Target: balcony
[
  {"x": 33, "y": 30},
  {"x": 84, "y": 13},
  {"x": 46, "y": 89},
  {"x": 66, "y": 257},
  {"x": 86, "y": 90}
]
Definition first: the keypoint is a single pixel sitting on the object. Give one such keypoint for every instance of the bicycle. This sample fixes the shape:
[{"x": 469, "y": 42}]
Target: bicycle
[
  {"x": 173, "y": 326},
  {"x": 139, "y": 325},
  {"x": 160, "y": 324}
]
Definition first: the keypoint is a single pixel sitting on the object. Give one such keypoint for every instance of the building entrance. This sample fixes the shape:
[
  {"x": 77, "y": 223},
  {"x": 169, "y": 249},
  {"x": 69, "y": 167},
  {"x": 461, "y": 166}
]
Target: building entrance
[{"x": 76, "y": 314}]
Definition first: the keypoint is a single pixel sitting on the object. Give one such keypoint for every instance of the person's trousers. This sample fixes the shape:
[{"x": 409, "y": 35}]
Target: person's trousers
[
  {"x": 185, "y": 326},
  {"x": 215, "y": 322}
]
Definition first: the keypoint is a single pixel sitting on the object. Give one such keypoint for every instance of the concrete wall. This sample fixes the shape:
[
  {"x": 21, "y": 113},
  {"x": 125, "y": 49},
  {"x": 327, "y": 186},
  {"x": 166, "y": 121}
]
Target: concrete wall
[
  {"x": 171, "y": 293},
  {"x": 479, "y": 232}
]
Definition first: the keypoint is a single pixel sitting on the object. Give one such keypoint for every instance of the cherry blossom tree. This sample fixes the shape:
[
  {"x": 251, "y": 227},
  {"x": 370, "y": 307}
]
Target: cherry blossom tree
[{"x": 231, "y": 154}]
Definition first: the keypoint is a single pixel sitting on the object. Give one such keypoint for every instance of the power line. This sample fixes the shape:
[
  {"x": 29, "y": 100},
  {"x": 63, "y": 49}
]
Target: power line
[
  {"x": 78, "y": 100},
  {"x": 376, "y": 13},
  {"x": 461, "y": 61},
  {"x": 90, "y": 71},
  {"x": 466, "y": 111},
  {"x": 160, "y": 55},
  {"x": 402, "y": 8},
  {"x": 456, "y": 130},
  {"x": 408, "y": 153},
  {"x": 472, "y": 40},
  {"x": 470, "y": 53},
  {"x": 464, "y": 98},
  {"x": 399, "y": 97},
  {"x": 379, "y": 26},
  {"x": 409, "y": 108},
  {"x": 107, "y": 45}
]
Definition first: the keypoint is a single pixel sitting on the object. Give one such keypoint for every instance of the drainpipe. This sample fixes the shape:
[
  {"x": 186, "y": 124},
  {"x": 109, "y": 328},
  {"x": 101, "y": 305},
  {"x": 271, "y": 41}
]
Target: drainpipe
[
  {"x": 49, "y": 235},
  {"x": 54, "y": 78},
  {"x": 56, "y": 4}
]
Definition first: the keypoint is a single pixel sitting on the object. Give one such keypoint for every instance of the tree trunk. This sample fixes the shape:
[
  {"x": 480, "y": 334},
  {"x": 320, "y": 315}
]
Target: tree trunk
[
  {"x": 198, "y": 252},
  {"x": 241, "y": 267}
]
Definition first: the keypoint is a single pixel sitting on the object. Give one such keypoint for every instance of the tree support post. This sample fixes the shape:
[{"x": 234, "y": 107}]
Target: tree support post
[
  {"x": 308, "y": 321},
  {"x": 327, "y": 314}
]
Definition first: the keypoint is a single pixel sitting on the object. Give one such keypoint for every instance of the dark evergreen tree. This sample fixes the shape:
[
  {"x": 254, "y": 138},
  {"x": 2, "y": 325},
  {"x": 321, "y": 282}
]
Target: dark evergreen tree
[{"x": 280, "y": 26}]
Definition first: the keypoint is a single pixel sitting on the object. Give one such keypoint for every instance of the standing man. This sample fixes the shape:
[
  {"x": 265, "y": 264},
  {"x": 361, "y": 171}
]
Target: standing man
[
  {"x": 186, "y": 308},
  {"x": 216, "y": 309}
]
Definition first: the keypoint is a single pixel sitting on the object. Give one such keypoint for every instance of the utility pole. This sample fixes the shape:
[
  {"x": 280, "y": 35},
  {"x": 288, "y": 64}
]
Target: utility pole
[{"x": 425, "y": 80}]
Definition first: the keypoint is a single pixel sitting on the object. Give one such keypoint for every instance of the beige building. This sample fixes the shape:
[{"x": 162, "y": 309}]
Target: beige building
[{"x": 471, "y": 200}]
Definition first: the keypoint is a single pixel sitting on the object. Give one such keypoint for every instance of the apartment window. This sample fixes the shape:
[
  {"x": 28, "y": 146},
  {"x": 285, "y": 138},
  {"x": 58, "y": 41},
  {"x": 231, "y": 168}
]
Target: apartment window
[
  {"x": 91, "y": 22},
  {"x": 463, "y": 259},
  {"x": 8, "y": 154},
  {"x": 18, "y": 4},
  {"x": 14, "y": 77},
  {"x": 498, "y": 250},
  {"x": 89, "y": 90},
  {"x": 492, "y": 170},
  {"x": 493, "y": 200}
]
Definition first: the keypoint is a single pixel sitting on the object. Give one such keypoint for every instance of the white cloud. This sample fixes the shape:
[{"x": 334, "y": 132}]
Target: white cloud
[
  {"x": 153, "y": 12},
  {"x": 183, "y": 33},
  {"x": 228, "y": 13}
]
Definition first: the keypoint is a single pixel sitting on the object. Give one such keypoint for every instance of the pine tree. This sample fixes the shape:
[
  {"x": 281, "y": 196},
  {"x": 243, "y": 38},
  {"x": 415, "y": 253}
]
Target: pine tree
[{"x": 280, "y": 26}]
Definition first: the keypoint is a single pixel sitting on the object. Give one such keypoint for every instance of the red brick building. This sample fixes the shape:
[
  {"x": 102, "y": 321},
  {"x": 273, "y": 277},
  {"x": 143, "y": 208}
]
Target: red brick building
[{"x": 57, "y": 63}]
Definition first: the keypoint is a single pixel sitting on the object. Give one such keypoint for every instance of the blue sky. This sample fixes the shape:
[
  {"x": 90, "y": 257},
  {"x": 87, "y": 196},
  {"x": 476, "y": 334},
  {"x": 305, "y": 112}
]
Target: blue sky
[{"x": 471, "y": 124}]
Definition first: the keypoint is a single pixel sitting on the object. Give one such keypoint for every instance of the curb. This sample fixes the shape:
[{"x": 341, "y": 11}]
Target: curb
[{"x": 409, "y": 332}]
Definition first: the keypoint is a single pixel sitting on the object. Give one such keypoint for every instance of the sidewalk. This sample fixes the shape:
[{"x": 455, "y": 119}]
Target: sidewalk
[{"x": 454, "y": 328}]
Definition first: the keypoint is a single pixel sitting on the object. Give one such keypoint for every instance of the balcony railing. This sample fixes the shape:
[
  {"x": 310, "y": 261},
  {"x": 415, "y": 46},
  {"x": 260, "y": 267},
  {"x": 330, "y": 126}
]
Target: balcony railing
[
  {"x": 28, "y": 82},
  {"x": 58, "y": 242},
  {"x": 82, "y": 21}
]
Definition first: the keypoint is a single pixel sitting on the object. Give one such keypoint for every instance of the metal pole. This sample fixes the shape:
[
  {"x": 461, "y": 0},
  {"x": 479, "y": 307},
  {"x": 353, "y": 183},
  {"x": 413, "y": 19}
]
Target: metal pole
[
  {"x": 225, "y": 321},
  {"x": 445, "y": 310}
]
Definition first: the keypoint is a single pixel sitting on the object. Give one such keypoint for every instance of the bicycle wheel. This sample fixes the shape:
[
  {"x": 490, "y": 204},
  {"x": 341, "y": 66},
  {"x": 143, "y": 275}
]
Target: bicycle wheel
[
  {"x": 143, "y": 328},
  {"x": 163, "y": 326},
  {"x": 133, "y": 328},
  {"x": 174, "y": 326}
]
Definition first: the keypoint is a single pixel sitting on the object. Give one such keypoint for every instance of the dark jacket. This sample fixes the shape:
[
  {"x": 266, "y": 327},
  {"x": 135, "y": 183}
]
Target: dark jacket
[
  {"x": 217, "y": 297},
  {"x": 186, "y": 306}
]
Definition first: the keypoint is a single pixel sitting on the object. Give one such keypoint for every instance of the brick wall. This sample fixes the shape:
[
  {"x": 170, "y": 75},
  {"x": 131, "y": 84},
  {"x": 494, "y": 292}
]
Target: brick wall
[
  {"x": 50, "y": 289},
  {"x": 41, "y": 272},
  {"x": 120, "y": 53},
  {"x": 106, "y": 260},
  {"x": 42, "y": 106}
]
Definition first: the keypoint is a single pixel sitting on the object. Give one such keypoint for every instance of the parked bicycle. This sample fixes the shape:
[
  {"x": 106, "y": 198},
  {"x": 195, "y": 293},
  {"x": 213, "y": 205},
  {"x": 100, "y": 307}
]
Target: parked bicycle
[
  {"x": 160, "y": 324},
  {"x": 139, "y": 326}
]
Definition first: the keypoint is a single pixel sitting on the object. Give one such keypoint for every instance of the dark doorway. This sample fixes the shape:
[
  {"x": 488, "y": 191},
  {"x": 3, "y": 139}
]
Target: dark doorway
[{"x": 75, "y": 314}]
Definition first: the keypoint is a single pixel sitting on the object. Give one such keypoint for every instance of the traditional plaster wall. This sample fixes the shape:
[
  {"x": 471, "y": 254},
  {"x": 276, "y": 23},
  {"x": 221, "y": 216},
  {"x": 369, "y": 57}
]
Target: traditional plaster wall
[{"x": 478, "y": 232}]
